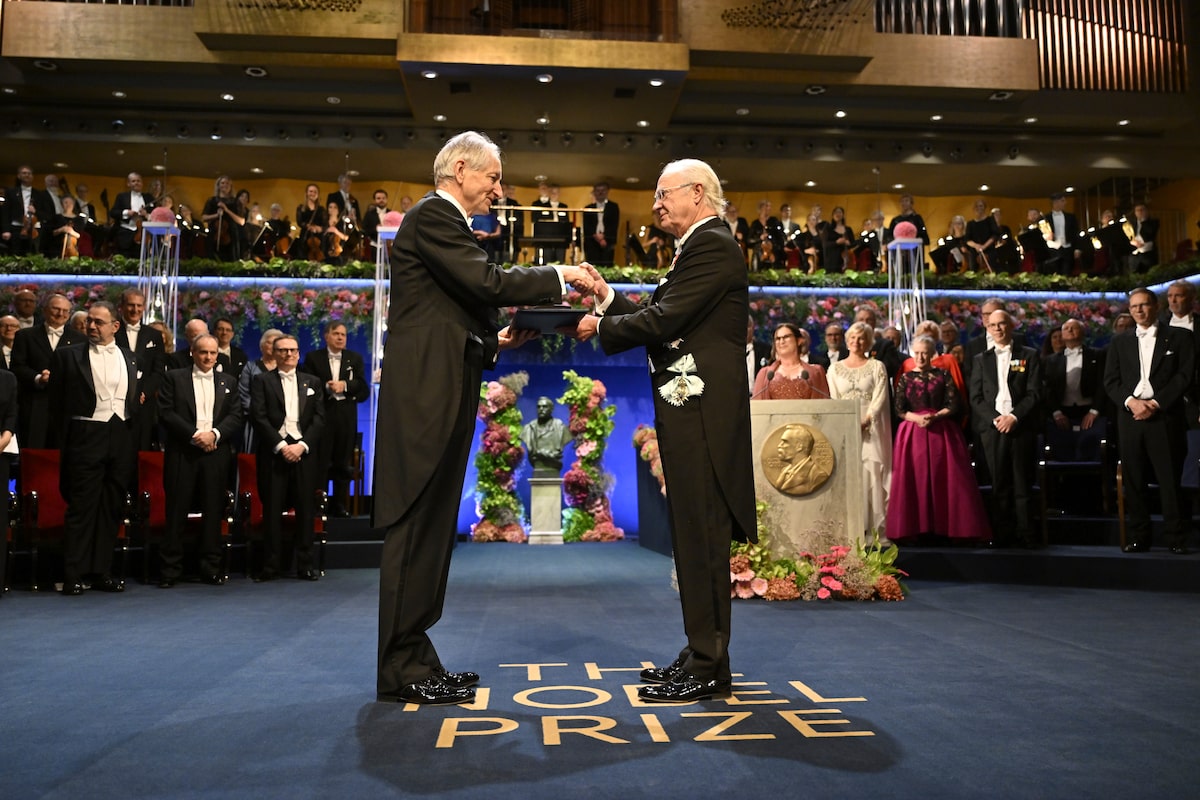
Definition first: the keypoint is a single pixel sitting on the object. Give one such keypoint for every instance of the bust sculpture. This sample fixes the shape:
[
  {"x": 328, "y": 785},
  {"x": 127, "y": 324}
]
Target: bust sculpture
[{"x": 545, "y": 439}]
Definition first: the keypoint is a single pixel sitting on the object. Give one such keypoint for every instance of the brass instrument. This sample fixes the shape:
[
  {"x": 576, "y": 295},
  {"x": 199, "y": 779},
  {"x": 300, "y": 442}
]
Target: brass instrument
[{"x": 1048, "y": 234}]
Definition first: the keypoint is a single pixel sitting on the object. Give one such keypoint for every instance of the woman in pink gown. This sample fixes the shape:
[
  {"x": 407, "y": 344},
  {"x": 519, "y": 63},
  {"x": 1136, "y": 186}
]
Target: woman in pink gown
[{"x": 934, "y": 490}]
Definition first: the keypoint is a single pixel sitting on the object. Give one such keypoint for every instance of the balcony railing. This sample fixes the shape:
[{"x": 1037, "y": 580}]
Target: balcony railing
[{"x": 628, "y": 20}]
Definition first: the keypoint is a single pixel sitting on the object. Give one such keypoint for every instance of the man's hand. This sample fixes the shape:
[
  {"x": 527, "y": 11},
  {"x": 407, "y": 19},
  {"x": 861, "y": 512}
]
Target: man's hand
[
  {"x": 578, "y": 278},
  {"x": 336, "y": 387},
  {"x": 1142, "y": 409},
  {"x": 599, "y": 285},
  {"x": 292, "y": 453},
  {"x": 1088, "y": 419},
  {"x": 1005, "y": 423},
  {"x": 510, "y": 339},
  {"x": 1061, "y": 421},
  {"x": 205, "y": 440},
  {"x": 586, "y": 328}
]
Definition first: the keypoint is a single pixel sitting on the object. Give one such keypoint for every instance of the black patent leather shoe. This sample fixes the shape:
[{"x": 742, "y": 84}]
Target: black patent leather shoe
[
  {"x": 685, "y": 689},
  {"x": 430, "y": 692},
  {"x": 1135, "y": 547},
  {"x": 213, "y": 580},
  {"x": 308, "y": 575},
  {"x": 72, "y": 589},
  {"x": 663, "y": 674},
  {"x": 457, "y": 680},
  {"x": 167, "y": 583},
  {"x": 107, "y": 583}
]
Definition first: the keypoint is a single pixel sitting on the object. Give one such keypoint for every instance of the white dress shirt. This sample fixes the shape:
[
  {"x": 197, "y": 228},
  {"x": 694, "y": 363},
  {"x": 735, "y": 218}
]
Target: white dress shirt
[
  {"x": 204, "y": 387},
  {"x": 110, "y": 379},
  {"x": 1004, "y": 403}
]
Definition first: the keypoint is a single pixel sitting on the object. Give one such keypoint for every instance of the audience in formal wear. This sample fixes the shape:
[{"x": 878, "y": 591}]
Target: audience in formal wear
[
  {"x": 264, "y": 363},
  {"x": 182, "y": 357},
  {"x": 789, "y": 376},
  {"x": 287, "y": 409},
  {"x": 946, "y": 362},
  {"x": 147, "y": 346},
  {"x": 94, "y": 396},
  {"x": 933, "y": 489},
  {"x": 601, "y": 229},
  {"x": 1147, "y": 374},
  {"x": 860, "y": 377},
  {"x": 9, "y": 325},
  {"x": 224, "y": 331},
  {"x": 1005, "y": 386},
  {"x": 346, "y": 384},
  {"x": 1053, "y": 341},
  {"x": 835, "y": 345},
  {"x": 33, "y": 352},
  {"x": 202, "y": 417}
]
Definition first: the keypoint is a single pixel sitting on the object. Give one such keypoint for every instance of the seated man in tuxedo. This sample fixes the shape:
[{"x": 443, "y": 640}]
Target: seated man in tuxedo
[
  {"x": 94, "y": 396},
  {"x": 288, "y": 411},
  {"x": 1005, "y": 387},
  {"x": 202, "y": 416},
  {"x": 1074, "y": 380},
  {"x": 344, "y": 377},
  {"x": 1147, "y": 373}
]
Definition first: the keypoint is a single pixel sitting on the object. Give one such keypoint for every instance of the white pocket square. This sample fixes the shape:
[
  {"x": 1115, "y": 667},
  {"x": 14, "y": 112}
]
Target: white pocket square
[
  {"x": 309, "y": 392},
  {"x": 150, "y": 344},
  {"x": 139, "y": 375}
]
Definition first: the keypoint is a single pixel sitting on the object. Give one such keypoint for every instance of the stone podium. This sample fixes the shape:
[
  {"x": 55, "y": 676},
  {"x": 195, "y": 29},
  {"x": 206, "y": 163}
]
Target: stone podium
[
  {"x": 821, "y": 479},
  {"x": 545, "y": 509}
]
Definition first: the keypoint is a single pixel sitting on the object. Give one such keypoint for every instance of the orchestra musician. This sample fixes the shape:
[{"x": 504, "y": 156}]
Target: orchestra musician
[
  {"x": 374, "y": 215},
  {"x": 225, "y": 217},
  {"x": 67, "y": 227},
  {"x": 333, "y": 240},
  {"x": 131, "y": 209},
  {"x": 837, "y": 243},
  {"x": 311, "y": 219},
  {"x": 347, "y": 203}
]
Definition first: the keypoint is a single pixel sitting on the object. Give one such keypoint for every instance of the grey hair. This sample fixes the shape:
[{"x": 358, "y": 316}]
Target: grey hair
[
  {"x": 269, "y": 335},
  {"x": 925, "y": 340},
  {"x": 697, "y": 171},
  {"x": 469, "y": 146}
]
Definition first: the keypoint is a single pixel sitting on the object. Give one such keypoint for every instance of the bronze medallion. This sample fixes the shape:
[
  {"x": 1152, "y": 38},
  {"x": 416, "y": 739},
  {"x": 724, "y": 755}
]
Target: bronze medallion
[{"x": 797, "y": 459}]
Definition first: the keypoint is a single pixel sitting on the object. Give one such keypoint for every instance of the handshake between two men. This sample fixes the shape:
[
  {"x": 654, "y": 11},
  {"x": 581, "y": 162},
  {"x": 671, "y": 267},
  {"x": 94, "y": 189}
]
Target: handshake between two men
[{"x": 584, "y": 279}]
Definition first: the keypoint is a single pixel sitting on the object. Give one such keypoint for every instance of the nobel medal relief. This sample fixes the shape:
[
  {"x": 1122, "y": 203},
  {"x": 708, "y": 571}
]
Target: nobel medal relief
[{"x": 797, "y": 459}]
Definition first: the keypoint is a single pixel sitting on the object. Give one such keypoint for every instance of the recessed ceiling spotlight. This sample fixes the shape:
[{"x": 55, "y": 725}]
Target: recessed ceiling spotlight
[
  {"x": 117, "y": 93},
  {"x": 742, "y": 112},
  {"x": 1030, "y": 120},
  {"x": 815, "y": 89},
  {"x": 1000, "y": 96},
  {"x": 120, "y": 151},
  {"x": 936, "y": 118},
  {"x": 353, "y": 173},
  {"x": 643, "y": 123},
  {"x": 545, "y": 77},
  {"x": 428, "y": 74},
  {"x": 159, "y": 167},
  {"x": 840, "y": 114},
  {"x": 439, "y": 117},
  {"x": 255, "y": 72},
  {"x": 61, "y": 165},
  {"x": 897, "y": 185},
  {"x": 1122, "y": 122},
  {"x": 540, "y": 178},
  {"x": 1069, "y": 189},
  {"x": 810, "y": 184},
  {"x": 45, "y": 65},
  {"x": 227, "y": 97},
  {"x": 633, "y": 179},
  {"x": 333, "y": 100},
  {"x": 9, "y": 90},
  {"x": 249, "y": 133},
  {"x": 656, "y": 82},
  {"x": 215, "y": 134},
  {"x": 983, "y": 187},
  {"x": 543, "y": 120},
  {"x": 257, "y": 170}
]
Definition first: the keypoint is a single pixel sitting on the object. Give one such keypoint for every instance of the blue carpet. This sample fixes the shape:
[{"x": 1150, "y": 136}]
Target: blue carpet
[{"x": 267, "y": 690}]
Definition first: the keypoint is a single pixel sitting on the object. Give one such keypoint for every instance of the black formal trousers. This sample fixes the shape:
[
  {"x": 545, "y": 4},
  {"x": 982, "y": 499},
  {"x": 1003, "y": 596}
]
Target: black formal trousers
[
  {"x": 1009, "y": 459},
  {"x": 189, "y": 473},
  {"x": 416, "y": 550},
  {"x": 98, "y": 467},
  {"x": 1158, "y": 443},
  {"x": 5, "y": 474},
  {"x": 283, "y": 485}
]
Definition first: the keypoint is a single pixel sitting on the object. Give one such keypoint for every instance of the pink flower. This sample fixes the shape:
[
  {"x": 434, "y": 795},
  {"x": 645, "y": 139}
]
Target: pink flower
[
  {"x": 743, "y": 590},
  {"x": 585, "y": 449},
  {"x": 759, "y": 585},
  {"x": 832, "y": 583},
  {"x": 823, "y": 593}
]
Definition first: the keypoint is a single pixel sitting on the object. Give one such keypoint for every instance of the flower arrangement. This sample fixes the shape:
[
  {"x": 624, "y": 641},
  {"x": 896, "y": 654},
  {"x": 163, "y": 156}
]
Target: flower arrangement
[
  {"x": 645, "y": 441},
  {"x": 499, "y": 507},
  {"x": 588, "y": 516},
  {"x": 838, "y": 571}
]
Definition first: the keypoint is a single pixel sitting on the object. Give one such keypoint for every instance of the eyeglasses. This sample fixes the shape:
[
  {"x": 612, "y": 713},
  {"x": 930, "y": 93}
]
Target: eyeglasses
[
  {"x": 784, "y": 338},
  {"x": 662, "y": 193},
  {"x": 286, "y": 350}
]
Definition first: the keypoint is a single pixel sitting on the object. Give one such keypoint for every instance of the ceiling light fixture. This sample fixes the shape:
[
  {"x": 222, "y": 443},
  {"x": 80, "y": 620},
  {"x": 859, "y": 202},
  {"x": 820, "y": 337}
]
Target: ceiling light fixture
[
  {"x": 983, "y": 187},
  {"x": 643, "y": 123},
  {"x": 227, "y": 97},
  {"x": 257, "y": 170},
  {"x": 545, "y": 77},
  {"x": 333, "y": 100},
  {"x": 45, "y": 65},
  {"x": 543, "y": 120},
  {"x": 1030, "y": 120},
  {"x": 840, "y": 114},
  {"x": 742, "y": 112},
  {"x": 656, "y": 82},
  {"x": 1122, "y": 122},
  {"x": 255, "y": 72},
  {"x": 815, "y": 89},
  {"x": 428, "y": 74},
  {"x": 117, "y": 93},
  {"x": 936, "y": 118},
  {"x": 810, "y": 184},
  {"x": 439, "y": 117}
]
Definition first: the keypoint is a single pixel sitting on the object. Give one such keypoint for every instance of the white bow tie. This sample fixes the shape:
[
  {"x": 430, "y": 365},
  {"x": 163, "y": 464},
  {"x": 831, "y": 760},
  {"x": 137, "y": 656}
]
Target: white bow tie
[
  {"x": 1145, "y": 331},
  {"x": 105, "y": 348},
  {"x": 204, "y": 376},
  {"x": 1074, "y": 351},
  {"x": 134, "y": 328},
  {"x": 1006, "y": 349},
  {"x": 287, "y": 376}
]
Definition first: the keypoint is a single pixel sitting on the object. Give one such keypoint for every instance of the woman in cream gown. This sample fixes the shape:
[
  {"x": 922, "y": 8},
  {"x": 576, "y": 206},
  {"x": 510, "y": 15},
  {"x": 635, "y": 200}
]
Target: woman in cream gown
[{"x": 860, "y": 377}]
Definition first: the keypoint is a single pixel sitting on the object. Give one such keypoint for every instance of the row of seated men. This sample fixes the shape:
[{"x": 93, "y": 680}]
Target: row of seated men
[
  {"x": 1145, "y": 384},
  {"x": 102, "y": 396},
  {"x": 1050, "y": 242}
]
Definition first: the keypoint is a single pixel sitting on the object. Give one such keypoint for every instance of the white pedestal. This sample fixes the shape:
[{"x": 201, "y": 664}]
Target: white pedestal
[
  {"x": 838, "y": 504},
  {"x": 545, "y": 513}
]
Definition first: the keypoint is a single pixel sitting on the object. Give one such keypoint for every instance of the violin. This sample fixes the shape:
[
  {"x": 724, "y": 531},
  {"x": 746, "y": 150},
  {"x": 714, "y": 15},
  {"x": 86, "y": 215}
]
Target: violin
[{"x": 30, "y": 229}]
